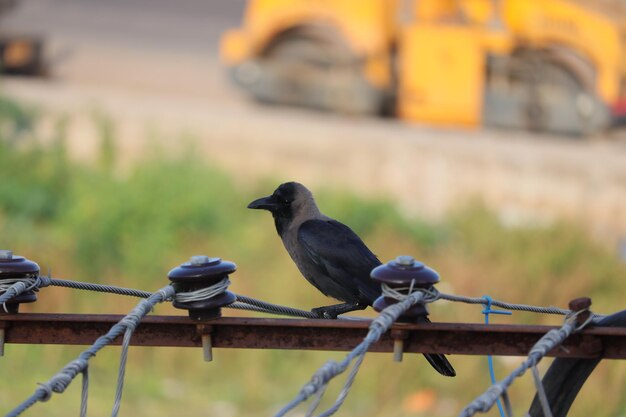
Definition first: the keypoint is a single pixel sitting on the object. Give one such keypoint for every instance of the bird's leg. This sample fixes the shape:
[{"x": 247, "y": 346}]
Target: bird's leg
[{"x": 331, "y": 312}]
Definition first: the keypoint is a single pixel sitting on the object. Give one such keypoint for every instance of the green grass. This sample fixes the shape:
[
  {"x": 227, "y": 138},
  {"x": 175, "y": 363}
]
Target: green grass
[{"x": 91, "y": 223}]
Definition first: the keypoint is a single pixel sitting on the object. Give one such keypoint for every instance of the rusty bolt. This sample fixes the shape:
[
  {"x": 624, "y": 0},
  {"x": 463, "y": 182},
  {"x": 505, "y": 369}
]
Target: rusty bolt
[{"x": 581, "y": 304}]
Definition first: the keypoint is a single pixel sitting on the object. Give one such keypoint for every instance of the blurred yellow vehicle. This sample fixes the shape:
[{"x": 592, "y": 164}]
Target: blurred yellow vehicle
[{"x": 548, "y": 65}]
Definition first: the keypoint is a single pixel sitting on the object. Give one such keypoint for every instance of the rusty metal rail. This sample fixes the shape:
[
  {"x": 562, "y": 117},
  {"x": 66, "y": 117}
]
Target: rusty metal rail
[{"x": 335, "y": 335}]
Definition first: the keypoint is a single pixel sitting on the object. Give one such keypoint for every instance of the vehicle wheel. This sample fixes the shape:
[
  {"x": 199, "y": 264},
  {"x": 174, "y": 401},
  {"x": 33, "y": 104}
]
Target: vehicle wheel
[
  {"x": 310, "y": 71},
  {"x": 556, "y": 101},
  {"x": 535, "y": 93}
]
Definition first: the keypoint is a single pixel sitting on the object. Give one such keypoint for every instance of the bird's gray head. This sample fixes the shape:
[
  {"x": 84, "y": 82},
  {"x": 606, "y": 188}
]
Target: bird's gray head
[{"x": 289, "y": 200}]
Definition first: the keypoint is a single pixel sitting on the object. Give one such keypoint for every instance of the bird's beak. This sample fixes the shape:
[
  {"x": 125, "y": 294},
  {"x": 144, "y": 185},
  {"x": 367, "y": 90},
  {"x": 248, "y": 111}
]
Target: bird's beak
[{"x": 265, "y": 203}]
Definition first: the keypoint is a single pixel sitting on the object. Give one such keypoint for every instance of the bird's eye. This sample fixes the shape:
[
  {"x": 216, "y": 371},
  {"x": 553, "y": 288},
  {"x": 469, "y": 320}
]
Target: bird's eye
[{"x": 283, "y": 200}]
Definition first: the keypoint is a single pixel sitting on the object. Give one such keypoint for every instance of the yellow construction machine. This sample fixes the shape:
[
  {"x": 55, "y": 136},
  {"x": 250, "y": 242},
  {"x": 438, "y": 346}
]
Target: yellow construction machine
[{"x": 545, "y": 65}]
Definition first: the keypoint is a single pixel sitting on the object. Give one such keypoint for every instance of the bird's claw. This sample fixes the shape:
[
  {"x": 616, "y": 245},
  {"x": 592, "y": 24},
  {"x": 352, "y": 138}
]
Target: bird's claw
[{"x": 324, "y": 313}]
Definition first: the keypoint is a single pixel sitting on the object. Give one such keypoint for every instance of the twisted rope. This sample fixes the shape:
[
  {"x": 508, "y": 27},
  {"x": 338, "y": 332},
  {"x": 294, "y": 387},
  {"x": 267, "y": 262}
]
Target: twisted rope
[
  {"x": 122, "y": 371},
  {"x": 29, "y": 283},
  {"x": 59, "y": 382},
  {"x": 248, "y": 303},
  {"x": 549, "y": 341},
  {"x": 203, "y": 293},
  {"x": 12, "y": 287},
  {"x": 244, "y": 302},
  {"x": 331, "y": 369},
  {"x": 541, "y": 392},
  {"x": 87, "y": 286},
  {"x": 501, "y": 304}
]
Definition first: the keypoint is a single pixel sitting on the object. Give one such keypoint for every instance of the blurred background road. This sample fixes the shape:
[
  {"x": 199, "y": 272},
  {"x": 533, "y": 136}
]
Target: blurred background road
[{"x": 158, "y": 45}]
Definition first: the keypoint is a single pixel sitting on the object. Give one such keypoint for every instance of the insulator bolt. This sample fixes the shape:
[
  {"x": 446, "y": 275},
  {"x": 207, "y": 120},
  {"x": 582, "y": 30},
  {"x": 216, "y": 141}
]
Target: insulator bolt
[
  {"x": 202, "y": 272},
  {"x": 199, "y": 260},
  {"x": 199, "y": 273},
  {"x": 400, "y": 274},
  {"x": 398, "y": 350},
  {"x": 405, "y": 260},
  {"x": 207, "y": 347},
  {"x": 399, "y": 336},
  {"x": 205, "y": 331}
]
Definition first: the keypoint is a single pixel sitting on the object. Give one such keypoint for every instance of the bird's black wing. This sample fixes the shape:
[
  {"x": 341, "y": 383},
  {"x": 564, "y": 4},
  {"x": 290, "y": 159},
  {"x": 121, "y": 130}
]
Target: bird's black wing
[{"x": 341, "y": 255}]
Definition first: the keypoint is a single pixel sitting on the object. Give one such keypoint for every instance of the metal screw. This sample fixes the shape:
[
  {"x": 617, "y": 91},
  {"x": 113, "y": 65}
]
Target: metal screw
[
  {"x": 207, "y": 347},
  {"x": 398, "y": 350},
  {"x": 205, "y": 331},
  {"x": 199, "y": 260},
  {"x": 405, "y": 260},
  {"x": 399, "y": 336},
  {"x": 6, "y": 254}
]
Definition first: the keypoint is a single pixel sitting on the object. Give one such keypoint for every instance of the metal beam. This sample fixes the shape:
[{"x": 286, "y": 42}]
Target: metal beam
[{"x": 336, "y": 335}]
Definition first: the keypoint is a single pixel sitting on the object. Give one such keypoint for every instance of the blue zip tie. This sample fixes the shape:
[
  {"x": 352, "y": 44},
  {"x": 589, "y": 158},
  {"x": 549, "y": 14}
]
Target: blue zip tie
[{"x": 488, "y": 310}]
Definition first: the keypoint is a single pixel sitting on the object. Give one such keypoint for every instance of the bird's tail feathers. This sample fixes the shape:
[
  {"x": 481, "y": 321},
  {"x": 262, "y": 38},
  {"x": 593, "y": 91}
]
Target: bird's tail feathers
[
  {"x": 440, "y": 363},
  {"x": 436, "y": 360}
]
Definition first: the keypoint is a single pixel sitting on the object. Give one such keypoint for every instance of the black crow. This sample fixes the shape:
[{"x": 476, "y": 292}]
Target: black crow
[{"x": 329, "y": 255}]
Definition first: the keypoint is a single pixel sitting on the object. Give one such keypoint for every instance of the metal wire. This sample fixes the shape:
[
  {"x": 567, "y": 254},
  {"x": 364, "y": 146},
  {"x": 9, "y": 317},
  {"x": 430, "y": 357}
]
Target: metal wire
[
  {"x": 504, "y": 305},
  {"x": 87, "y": 286},
  {"x": 265, "y": 307}
]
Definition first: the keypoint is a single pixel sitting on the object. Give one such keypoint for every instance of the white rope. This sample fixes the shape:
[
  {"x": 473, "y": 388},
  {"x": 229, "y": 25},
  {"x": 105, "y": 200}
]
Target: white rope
[
  {"x": 430, "y": 294},
  {"x": 7, "y": 283},
  {"x": 398, "y": 293},
  {"x": 12, "y": 287},
  {"x": 541, "y": 392},
  {"x": 203, "y": 293}
]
